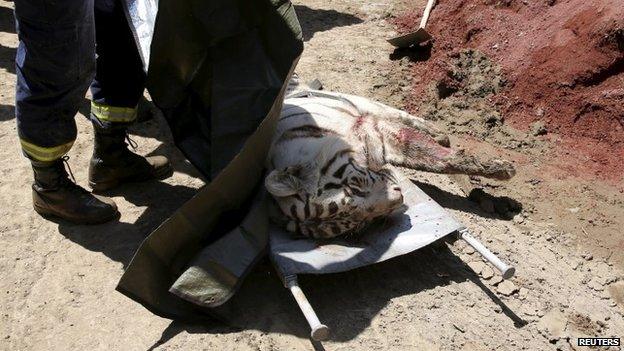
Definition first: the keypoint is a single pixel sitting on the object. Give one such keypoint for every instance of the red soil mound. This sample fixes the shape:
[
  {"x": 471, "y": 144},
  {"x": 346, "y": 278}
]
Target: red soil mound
[{"x": 564, "y": 61}]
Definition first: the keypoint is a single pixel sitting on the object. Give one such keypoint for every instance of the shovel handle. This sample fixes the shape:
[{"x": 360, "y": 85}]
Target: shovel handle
[{"x": 425, "y": 17}]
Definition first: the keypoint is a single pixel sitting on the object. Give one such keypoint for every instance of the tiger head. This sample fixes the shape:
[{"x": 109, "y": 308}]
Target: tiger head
[{"x": 337, "y": 197}]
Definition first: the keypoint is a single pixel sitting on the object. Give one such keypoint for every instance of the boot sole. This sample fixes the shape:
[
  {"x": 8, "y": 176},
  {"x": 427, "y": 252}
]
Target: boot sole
[
  {"x": 107, "y": 185},
  {"x": 49, "y": 214}
]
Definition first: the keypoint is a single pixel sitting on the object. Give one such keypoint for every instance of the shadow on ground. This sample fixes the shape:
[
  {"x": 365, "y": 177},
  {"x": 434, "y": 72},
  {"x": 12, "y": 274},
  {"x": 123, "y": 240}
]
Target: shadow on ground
[
  {"x": 119, "y": 240},
  {"x": 155, "y": 200},
  {"x": 7, "y": 20},
  {"x": 7, "y": 25},
  {"x": 418, "y": 53},
  {"x": 7, "y": 58},
  {"x": 7, "y": 112},
  {"x": 151, "y": 124},
  {"x": 478, "y": 202},
  {"x": 264, "y": 304},
  {"x": 318, "y": 20}
]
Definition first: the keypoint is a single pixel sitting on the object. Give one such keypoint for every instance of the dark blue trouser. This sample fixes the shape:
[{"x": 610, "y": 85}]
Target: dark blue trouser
[{"x": 56, "y": 63}]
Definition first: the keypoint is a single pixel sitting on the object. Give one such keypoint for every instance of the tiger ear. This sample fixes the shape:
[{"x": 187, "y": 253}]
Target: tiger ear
[{"x": 282, "y": 183}]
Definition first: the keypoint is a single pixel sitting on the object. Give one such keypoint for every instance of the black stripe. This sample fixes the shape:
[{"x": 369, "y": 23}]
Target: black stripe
[
  {"x": 297, "y": 227},
  {"x": 341, "y": 109},
  {"x": 293, "y": 211},
  {"x": 305, "y": 131},
  {"x": 355, "y": 167},
  {"x": 306, "y": 208},
  {"x": 306, "y": 113},
  {"x": 340, "y": 171},
  {"x": 333, "y": 208},
  {"x": 332, "y": 186},
  {"x": 358, "y": 193},
  {"x": 319, "y": 210},
  {"x": 333, "y": 159}
]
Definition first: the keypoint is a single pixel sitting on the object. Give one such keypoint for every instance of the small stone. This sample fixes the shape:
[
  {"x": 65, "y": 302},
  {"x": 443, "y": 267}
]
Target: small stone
[
  {"x": 460, "y": 329},
  {"x": 538, "y": 128},
  {"x": 552, "y": 325},
  {"x": 540, "y": 313},
  {"x": 496, "y": 280},
  {"x": 616, "y": 290},
  {"x": 577, "y": 265},
  {"x": 596, "y": 284},
  {"x": 476, "y": 266},
  {"x": 539, "y": 112},
  {"x": 469, "y": 250},
  {"x": 487, "y": 272},
  {"x": 522, "y": 293},
  {"x": 507, "y": 288}
]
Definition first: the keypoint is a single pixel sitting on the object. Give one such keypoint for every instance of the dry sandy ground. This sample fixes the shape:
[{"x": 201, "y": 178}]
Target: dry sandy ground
[{"x": 58, "y": 279}]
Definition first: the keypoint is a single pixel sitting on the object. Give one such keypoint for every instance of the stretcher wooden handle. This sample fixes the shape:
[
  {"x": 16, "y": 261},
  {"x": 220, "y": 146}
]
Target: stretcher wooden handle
[
  {"x": 319, "y": 331},
  {"x": 506, "y": 270}
]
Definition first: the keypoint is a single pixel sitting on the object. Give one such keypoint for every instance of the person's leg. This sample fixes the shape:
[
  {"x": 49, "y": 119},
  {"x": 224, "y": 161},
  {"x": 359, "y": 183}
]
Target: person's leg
[
  {"x": 55, "y": 63},
  {"x": 118, "y": 85}
]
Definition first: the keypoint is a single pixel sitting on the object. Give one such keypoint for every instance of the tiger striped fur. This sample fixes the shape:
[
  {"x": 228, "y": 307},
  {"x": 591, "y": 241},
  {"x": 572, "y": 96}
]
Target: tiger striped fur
[{"x": 328, "y": 164}]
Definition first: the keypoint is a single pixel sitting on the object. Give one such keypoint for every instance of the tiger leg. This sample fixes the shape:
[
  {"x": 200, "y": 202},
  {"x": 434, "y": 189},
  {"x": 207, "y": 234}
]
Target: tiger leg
[{"x": 412, "y": 148}]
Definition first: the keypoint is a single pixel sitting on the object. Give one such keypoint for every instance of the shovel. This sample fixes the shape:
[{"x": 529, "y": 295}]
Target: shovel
[{"x": 417, "y": 37}]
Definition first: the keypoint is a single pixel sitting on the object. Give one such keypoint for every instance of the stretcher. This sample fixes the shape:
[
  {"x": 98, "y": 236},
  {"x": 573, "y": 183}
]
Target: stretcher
[{"x": 423, "y": 222}]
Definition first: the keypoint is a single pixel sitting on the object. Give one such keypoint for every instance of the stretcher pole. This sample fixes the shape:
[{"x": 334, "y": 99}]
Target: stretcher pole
[
  {"x": 320, "y": 331},
  {"x": 506, "y": 270}
]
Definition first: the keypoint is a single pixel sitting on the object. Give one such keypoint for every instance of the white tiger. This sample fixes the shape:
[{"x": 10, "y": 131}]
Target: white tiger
[{"x": 328, "y": 161}]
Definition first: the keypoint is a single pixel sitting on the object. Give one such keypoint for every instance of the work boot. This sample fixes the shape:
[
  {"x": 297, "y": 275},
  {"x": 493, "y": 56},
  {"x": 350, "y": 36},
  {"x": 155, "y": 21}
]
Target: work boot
[
  {"x": 112, "y": 163},
  {"x": 54, "y": 194}
]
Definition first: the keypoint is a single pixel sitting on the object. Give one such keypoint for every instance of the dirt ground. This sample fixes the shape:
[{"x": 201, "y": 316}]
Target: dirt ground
[{"x": 561, "y": 229}]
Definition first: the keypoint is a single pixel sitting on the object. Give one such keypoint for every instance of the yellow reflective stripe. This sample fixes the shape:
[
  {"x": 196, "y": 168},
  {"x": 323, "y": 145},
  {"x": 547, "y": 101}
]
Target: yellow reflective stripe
[
  {"x": 113, "y": 113},
  {"x": 41, "y": 153}
]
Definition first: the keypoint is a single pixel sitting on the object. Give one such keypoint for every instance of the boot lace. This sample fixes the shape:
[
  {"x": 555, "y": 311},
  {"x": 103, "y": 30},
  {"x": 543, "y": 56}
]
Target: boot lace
[
  {"x": 65, "y": 160},
  {"x": 69, "y": 181}
]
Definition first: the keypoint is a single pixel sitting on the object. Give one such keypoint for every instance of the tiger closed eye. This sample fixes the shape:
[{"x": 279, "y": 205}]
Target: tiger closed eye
[{"x": 358, "y": 192}]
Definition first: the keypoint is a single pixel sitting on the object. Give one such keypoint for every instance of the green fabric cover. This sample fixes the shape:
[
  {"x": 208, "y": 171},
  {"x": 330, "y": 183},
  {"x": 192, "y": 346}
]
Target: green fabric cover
[{"x": 218, "y": 70}]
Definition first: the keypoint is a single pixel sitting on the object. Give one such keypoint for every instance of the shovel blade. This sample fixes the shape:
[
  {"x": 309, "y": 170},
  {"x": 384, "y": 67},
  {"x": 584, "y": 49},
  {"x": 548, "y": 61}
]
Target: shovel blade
[{"x": 409, "y": 39}]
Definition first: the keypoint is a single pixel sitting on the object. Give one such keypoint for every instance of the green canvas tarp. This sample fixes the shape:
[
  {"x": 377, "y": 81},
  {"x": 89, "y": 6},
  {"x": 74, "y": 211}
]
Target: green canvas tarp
[{"x": 217, "y": 70}]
